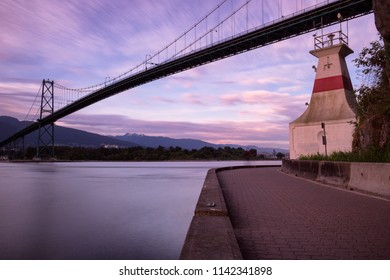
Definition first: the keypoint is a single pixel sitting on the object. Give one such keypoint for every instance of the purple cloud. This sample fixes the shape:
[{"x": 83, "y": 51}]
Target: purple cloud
[
  {"x": 249, "y": 98},
  {"x": 250, "y": 132}
]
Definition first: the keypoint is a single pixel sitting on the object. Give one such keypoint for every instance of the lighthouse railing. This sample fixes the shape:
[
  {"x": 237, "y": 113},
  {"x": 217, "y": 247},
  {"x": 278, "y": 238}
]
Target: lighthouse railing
[{"x": 330, "y": 39}]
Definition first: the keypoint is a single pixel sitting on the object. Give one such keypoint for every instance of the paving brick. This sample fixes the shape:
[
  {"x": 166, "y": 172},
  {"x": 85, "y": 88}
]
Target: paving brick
[{"x": 277, "y": 216}]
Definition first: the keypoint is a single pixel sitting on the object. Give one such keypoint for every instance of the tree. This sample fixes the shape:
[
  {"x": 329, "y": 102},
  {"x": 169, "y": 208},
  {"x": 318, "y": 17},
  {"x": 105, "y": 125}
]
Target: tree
[
  {"x": 373, "y": 95},
  {"x": 280, "y": 155},
  {"x": 373, "y": 111},
  {"x": 382, "y": 22}
]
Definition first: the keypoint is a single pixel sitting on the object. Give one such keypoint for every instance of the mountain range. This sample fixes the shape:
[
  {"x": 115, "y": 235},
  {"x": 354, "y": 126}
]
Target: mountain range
[
  {"x": 155, "y": 141},
  {"x": 63, "y": 136},
  {"x": 74, "y": 137}
]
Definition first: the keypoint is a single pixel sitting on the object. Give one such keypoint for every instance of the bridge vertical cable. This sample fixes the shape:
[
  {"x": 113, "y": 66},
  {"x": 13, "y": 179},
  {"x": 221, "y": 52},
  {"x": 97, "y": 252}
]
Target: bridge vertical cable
[
  {"x": 222, "y": 23},
  {"x": 27, "y": 117},
  {"x": 225, "y": 31}
]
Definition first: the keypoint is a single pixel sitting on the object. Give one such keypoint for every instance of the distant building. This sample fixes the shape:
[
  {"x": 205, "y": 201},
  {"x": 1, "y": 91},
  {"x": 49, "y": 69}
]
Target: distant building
[
  {"x": 106, "y": 146},
  {"x": 327, "y": 124}
]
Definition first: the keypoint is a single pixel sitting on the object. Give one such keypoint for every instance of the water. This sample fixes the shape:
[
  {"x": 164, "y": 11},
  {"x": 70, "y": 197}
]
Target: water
[{"x": 99, "y": 210}]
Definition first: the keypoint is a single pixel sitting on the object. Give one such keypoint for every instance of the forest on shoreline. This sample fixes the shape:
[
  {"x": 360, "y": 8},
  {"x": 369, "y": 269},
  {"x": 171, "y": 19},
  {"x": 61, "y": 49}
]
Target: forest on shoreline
[{"x": 148, "y": 154}]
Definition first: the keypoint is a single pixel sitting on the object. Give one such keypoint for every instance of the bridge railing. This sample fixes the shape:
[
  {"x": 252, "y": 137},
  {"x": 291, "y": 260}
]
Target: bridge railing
[
  {"x": 203, "y": 40},
  {"x": 188, "y": 49},
  {"x": 311, "y": 19}
]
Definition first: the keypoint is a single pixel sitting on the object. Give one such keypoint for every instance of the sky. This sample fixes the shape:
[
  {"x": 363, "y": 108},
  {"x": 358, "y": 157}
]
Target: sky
[{"x": 247, "y": 99}]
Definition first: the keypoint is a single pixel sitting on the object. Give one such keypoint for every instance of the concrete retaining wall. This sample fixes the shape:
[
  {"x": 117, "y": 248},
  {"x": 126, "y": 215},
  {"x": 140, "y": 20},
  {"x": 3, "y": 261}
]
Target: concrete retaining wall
[
  {"x": 211, "y": 201},
  {"x": 373, "y": 178},
  {"x": 211, "y": 235}
]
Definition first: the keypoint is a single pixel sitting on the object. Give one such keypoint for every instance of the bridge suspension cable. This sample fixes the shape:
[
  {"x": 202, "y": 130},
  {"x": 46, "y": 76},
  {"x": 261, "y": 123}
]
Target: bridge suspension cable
[
  {"x": 236, "y": 34},
  {"x": 198, "y": 36},
  {"x": 26, "y": 118},
  {"x": 218, "y": 25}
]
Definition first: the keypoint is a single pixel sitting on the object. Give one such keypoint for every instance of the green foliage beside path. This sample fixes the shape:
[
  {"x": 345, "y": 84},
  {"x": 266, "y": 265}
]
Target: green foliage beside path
[{"x": 368, "y": 155}]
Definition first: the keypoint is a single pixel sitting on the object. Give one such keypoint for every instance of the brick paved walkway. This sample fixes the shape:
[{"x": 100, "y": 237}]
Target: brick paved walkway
[{"x": 276, "y": 216}]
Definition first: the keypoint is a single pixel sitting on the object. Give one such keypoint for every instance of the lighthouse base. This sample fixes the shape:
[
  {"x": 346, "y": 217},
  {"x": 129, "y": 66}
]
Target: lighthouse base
[{"x": 307, "y": 138}]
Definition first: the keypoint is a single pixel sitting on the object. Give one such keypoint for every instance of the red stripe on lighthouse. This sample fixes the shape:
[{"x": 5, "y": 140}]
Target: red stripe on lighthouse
[{"x": 332, "y": 83}]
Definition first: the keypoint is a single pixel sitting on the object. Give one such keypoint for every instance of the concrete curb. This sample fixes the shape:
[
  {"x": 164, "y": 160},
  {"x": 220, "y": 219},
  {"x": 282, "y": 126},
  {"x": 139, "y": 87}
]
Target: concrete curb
[
  {"x": 371, "y": 178},
  {"x": 211, "y": 235},
  {"x": 211, "y": 238},
  {"x": 211, "y": 201}
]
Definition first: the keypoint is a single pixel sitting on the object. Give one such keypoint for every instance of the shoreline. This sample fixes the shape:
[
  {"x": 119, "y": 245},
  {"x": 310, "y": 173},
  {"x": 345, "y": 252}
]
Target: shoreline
[
  {"x": 250, "y": 214},
  {"x": 200, "y": 160},
  {"x": 211, "y": 235}
]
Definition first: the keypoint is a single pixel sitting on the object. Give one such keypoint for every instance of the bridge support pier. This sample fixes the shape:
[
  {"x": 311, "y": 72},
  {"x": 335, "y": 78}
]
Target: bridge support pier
[{"x": 45, "y": 144}]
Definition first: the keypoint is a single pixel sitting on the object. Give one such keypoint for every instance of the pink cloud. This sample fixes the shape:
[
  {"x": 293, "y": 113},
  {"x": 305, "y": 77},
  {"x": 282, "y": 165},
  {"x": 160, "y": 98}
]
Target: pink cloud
[
  {"x": 82, "y": 42},
  {"x": 250, "y": 132},
  {"x": 258, "y": 97},
  {"x": 194, "y": 99},
  {"x": 231, "y": 99},
  {"x": 18, "y": 97},
  {"x": 164, "y": 99}
]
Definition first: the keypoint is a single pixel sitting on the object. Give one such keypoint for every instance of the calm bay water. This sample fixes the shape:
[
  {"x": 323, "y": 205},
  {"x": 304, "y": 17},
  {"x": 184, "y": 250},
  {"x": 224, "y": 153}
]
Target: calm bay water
[{"x": 99, "y": 210}]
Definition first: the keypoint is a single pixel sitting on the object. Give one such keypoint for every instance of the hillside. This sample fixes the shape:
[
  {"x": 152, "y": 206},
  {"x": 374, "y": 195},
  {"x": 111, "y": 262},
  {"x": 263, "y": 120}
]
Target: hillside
[
  {"x": 155, "y": 141},
  {"x": 63, "y": 136},
  {"x": 78, "y": 138},
  {"x": 166, "y": 142}
]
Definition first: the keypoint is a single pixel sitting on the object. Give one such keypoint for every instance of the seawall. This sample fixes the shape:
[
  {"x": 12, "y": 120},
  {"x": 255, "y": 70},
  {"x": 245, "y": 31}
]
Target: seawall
[
  {"x": 371, "y": 178},
  {"x": 211, "y": 235}
]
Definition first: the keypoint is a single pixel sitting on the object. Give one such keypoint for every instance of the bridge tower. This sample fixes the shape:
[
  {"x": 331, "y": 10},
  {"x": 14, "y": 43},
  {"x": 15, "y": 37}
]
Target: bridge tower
[
  {"x": 327, "y": 124},
  {"x": 45, "y": 145}
]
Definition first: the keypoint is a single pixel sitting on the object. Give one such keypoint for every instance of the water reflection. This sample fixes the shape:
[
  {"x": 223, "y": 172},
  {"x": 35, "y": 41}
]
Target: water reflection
[{"x": 98, "y": 210}]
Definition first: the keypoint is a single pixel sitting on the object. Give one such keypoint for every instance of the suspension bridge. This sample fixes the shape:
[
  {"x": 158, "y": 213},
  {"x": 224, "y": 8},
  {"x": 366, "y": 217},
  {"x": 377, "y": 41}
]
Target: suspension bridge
[{"x": 216, "y": 36}]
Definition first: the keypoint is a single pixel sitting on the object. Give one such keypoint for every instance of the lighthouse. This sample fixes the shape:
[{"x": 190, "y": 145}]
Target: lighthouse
[{"x": 327, "y": 124}]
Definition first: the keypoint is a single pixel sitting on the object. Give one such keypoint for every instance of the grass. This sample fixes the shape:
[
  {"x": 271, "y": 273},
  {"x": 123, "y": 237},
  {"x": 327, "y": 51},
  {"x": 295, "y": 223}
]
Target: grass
[{"x": 371, "y": 155}]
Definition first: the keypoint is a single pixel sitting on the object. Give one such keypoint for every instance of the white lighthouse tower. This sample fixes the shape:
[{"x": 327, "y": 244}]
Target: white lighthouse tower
[{"x": 327, "y": 124}]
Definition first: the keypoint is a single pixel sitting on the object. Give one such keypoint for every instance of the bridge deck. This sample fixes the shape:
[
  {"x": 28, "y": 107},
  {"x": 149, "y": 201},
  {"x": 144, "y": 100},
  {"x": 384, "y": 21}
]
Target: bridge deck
[
  {"x": 287, "y": 27},
  {"x": 276, "y": 216}
]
